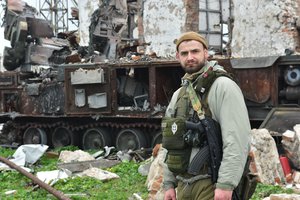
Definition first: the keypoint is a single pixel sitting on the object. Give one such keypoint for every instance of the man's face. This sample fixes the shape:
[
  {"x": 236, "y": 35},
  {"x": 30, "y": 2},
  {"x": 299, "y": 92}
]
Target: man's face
[{"x": 192, "y": 56}]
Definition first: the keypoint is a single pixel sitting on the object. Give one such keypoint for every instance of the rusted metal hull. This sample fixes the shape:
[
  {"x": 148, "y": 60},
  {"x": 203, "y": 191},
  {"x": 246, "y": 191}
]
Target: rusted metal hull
[{"x": 126, "y": 98}]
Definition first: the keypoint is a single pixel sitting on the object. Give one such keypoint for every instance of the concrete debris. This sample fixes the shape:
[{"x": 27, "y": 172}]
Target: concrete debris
[
  {"x": 74, "y": 156},
  {"x": 296, "y": 177},
  {"x": 51, "y": 177},
  {"x": 144, "y": 168},
  {"x": 274, "y": 168},
  {"x": 99, "y": 174},
  {"x": 135, "y": 196},
  {"x": 155, "y": 176},
  {"x": 291, "y": 144},
  {"x": 97, "y": 154},
  {"x": 83, "y": 165},
  {"x": 283, "y": 197},
  {"x": 10, "y": 192},
  {"x": 266, "y": 164},
  {"x": 124, "y": 156}
]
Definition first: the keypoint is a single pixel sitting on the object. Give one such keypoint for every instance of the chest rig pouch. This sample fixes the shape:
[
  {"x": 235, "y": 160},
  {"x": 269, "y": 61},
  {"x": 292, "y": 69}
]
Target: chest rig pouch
[{"x": 173, "y": 130}]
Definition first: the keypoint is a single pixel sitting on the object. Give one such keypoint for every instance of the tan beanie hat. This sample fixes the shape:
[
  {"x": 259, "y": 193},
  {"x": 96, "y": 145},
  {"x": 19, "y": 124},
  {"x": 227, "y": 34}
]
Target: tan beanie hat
[{"x": 191, "y": 36}]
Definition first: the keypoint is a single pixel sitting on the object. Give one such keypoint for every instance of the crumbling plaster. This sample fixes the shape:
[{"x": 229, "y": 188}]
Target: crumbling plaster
[
  {"x": 264, "y": 27},
  {"x": 86, "y": 9},
  {"x": 163, "y": 22}
]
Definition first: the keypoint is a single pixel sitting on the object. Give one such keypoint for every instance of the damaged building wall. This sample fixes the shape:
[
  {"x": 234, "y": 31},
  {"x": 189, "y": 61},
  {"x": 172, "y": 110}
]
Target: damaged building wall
[
  {"x": 264, "y": 28},
  {"x": 163, "y": 22},
  {"x": 86, "y": 9}
]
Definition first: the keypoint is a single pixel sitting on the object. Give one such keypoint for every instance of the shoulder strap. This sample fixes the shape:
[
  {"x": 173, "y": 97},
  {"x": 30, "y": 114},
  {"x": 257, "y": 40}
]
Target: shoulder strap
[
  {"x": 205, "y": 81},
  {"x": 201, "y": 86},
  {"x": 197, "y": 106}
]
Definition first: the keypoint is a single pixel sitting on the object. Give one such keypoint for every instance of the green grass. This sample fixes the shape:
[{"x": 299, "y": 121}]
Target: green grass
[
  {"x": 263, "y": 191},
  {"x": 83, "y": 188}
]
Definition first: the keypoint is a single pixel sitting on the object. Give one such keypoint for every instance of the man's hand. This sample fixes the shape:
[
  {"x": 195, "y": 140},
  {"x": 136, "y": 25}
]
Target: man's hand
[
  {"x": 170, "y": 194},
  {"x": 223, "y": 194}
]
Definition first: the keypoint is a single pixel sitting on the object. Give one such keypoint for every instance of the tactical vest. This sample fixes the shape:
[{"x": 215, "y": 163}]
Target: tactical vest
[{"x": 174, "y": 129}]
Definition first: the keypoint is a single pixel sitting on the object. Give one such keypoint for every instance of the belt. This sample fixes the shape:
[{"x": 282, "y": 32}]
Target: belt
[{"x": 192, "y": 179}]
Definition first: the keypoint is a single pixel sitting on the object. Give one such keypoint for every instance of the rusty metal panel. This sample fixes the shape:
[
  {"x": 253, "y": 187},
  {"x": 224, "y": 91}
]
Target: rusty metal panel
[
  {"x": 39, "y": 28},
  {"x": 253, "y": 63},
  {"x": 8, "y": 79},
  {"x": 281, "y": 119},
  {"x": 9, "y": 100},
  {"x": 89, "y": 96},
  {"x": 33, "y": 89},
  {"x": 48, "y": 100},
  {"x": 255, "y": 84}
]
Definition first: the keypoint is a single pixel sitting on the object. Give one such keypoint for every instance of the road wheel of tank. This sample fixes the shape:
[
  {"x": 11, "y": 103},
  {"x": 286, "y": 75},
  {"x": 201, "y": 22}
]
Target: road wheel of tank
[
  {"x": 62, "y": 136},
  {"x": 130, "y": 139},
  {"x": 96, "y": 138},
  {"x": 34, "y": 136},
  {"x": 157, "y": 139}
]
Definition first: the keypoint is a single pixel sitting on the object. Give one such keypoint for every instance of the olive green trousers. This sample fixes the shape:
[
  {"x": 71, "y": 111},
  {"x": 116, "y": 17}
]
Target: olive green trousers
[{"x": 199, "y": 190}]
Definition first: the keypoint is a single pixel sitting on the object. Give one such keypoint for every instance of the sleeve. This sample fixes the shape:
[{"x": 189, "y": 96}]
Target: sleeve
[
  {"x": 170, "y": 111},
  {"x": 227, "y": 105}
]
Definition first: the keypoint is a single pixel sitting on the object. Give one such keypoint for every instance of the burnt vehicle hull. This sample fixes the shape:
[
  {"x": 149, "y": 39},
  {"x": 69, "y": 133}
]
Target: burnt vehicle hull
[
  {"x": 122, "y": 104},
  {"x": 89, "y": 105}
]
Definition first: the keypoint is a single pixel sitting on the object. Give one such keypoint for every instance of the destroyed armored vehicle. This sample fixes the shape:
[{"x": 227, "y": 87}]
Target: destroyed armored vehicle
[{"x": 116, "y": 97}]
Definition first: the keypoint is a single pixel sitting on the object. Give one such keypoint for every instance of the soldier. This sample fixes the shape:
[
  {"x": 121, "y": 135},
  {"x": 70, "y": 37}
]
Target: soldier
[{"x": 209, "y": 101}]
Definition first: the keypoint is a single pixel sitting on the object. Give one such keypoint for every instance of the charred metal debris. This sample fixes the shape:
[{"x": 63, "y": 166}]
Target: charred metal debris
[{"x": 33, "y": 44}]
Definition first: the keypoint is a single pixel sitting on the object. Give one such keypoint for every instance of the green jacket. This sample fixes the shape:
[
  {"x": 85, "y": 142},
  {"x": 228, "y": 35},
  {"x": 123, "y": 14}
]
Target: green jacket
[{"x": 227, "y": 106}]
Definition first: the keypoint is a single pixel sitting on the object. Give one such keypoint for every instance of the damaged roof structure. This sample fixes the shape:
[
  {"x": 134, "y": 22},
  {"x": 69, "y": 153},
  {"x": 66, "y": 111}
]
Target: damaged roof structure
[{"x": 33, "y": 42}]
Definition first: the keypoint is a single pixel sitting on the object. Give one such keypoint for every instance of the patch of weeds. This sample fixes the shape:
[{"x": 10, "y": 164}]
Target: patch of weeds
[
  {"x": 130, "y": 182},
  {"x": 45, "y": 164},
  {"x": 66, "y": 148},
  {"x": 263, "y": 190},
  {"x": 80, "y": 188},
  {"x": 6, "y": 152}
]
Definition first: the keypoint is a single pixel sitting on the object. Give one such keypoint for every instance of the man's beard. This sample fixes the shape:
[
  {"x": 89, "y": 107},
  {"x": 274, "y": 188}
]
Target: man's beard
[{"x": 195, "y": 68}]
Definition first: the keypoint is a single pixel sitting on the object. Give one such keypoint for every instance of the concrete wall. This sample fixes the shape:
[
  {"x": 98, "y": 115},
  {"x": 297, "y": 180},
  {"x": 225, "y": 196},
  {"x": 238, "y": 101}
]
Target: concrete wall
[
  {"x": 163, "y": 22},
  {"x": 260, "y": 27},
  {"x": 264, "y": 27},
  {"x": 86, "y": 9}
]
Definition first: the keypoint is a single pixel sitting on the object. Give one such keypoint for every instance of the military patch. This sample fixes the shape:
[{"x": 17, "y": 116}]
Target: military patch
[{"x": 174, "y": 128}]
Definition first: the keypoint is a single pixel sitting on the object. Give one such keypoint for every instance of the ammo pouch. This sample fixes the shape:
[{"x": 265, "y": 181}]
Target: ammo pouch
[{"x": 178, "y": 155}]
